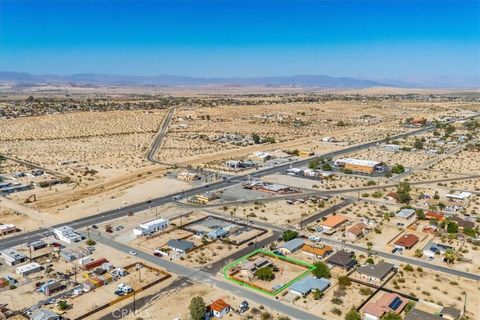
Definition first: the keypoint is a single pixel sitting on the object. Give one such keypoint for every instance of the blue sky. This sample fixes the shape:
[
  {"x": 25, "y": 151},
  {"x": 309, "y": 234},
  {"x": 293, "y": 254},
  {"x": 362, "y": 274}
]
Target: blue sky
[{"x": 369, "y": 39}]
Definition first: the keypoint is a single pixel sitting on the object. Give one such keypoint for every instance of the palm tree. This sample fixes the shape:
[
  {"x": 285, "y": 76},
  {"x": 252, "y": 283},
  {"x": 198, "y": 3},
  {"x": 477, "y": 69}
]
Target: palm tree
[{"x": 450, "y": 256}]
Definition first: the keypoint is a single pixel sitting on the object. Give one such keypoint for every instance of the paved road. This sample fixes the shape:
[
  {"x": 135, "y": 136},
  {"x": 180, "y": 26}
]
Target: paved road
[
  {"x": 229, "y": 181},
  {"x": 412, "y": 261},
  {"x": 205, "y": 277},
  {"x": 326, "y": 192},
  {"x": 159, "y": 137}
]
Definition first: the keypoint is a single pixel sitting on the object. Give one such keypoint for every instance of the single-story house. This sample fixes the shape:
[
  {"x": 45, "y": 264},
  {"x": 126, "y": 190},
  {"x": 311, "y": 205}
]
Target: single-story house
[
  {"x": 291, "y": 246},
  {"x": 416, "y": 314},
  {"x": 388, "y": 302},
  {"x": 333, "y": 221},
  {"x": 430, "y": 215},
  {"x": 450, "y": 313},
  {"x": 462, "y": 224},
  {"x": 433, "y": 248},
  {"x": 217, "y": 233},
  {"x": 180, "y": 246},
  {"x": 318, "y": 253},
  {"x": 375, "y": 272},
  {"x": 357, "y": 231},
  {"x": 248, "y": 269},
  {"x": 306, "y": 285},
  {"x": 342, "y": 259},
  {"x": 218, "y": 308},
  {"x": 430, "y": 229},
  {"x": 44, "y": 314},
  {"x": 405, "y": 213},
  {"x": 462, "y": 196},
  {"x": 407, "y": 241}
]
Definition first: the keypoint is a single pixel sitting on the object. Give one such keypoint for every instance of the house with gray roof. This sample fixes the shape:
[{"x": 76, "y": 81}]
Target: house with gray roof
[
  {"x": 375, "y": 272},
  {"x": 405, "y": 213},
  {"x": 291, "y": 246},
  {"x": 306, "y": 285},
  {"x": 450, "y": 313},
  {"x": 217, "y": 233},
  {"x": 342, "y": 259},
  {"x": 416, "y": 314},
  {"x": 44, "y": 314},
  {"x": 180, "y": 246}
]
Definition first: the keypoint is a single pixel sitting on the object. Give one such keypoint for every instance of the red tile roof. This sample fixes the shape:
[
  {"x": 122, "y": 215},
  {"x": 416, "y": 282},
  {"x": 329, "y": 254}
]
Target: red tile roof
[
  {"x": 219, "y": 305},
  {"x": 407, "y": 240},
  {"x": 434, "y": 215}
]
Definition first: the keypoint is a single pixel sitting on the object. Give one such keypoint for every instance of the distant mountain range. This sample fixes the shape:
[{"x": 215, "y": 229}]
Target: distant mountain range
[{"x": 309, "y": 81}]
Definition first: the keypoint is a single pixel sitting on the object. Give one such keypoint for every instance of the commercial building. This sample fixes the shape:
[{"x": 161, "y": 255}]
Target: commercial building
[
  {"x": 37, "y": 245},
  {"x": 7, "y": 228},
  {"x": 88, "y": 263},
  {"x": 13, "y": 257},
  {"x": 28, "y": 269},
  {"x": 188, "y": 176},
  {"x": 358, "y": 165},
  {"x": 150, "y": 227},
  {"x": 67, "y": 234},
  {"x": 261, "y": 156}
]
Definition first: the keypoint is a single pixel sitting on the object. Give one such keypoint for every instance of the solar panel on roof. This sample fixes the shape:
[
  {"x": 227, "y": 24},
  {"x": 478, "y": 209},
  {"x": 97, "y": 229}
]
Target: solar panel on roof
[{"x": 395, "y": 303}]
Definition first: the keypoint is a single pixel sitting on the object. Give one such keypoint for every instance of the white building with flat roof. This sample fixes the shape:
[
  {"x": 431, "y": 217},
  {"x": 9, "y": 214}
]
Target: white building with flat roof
[
  {"x": 67, "y": 234},
  {"x": 150, "y": 227},
  {"x": 464, "y": 195},
  {"x": 28, "y": 269},
  {"x": 7, "y": 228}
]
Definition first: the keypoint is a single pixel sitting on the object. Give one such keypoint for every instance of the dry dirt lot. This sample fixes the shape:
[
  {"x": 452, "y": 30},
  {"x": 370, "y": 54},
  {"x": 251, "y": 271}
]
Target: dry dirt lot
[
  {"x": 439, "y": 288},
  {"x": 461, "y": 162},
  {"x": 174, "y": 303},
  {"x": 278, "y": 212},
  {"x": 101, "y": 141},
  {"x": 194, "y": 131}
]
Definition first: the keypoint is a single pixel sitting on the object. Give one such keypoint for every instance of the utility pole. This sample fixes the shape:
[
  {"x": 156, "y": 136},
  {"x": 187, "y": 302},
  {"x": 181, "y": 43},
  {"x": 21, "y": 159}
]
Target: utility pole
[{"x": 134, "y": 301}]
